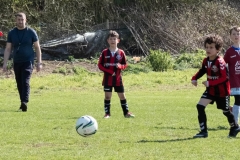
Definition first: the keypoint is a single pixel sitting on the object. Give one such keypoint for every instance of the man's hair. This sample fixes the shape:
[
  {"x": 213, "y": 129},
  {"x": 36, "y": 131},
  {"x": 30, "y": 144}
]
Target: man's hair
[
  {"x": 113, "y": 34},
  {"x": 216, "y": 39},
  {"x": 20, "y": 14},
  {"x": 235, "y": 28}
]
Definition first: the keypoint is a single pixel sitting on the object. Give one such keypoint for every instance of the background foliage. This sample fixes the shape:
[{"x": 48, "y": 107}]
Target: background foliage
[{"x": 173, "y": 25}]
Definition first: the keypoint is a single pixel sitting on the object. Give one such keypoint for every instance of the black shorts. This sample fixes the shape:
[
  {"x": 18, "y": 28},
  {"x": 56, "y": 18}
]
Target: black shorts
[
  {"x": 119, "y": 89},
  {"x": 222, "y": 102},
  {"x": 237, "y": 100}
]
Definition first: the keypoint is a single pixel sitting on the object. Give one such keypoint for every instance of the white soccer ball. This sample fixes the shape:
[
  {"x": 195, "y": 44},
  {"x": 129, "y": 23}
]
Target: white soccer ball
[{"x": 86, "y": 126}]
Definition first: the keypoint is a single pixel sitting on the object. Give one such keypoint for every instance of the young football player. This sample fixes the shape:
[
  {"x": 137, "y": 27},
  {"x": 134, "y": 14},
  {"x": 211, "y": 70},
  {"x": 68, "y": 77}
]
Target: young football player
[{"x": 112, "y": 61}]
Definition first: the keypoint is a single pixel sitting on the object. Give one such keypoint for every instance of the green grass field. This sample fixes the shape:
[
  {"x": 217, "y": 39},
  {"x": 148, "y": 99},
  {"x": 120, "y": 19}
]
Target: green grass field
[{"x": 163, "y": 103}]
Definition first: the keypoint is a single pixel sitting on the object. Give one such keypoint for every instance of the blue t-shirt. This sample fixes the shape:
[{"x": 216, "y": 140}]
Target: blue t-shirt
[{"x": 22, "y": 43}]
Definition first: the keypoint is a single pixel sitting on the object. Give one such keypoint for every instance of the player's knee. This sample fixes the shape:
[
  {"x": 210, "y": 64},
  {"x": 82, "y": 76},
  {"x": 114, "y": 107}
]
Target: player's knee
[
  {"x": 200, "y": 108},
  {"x": 107, "y": 98}
]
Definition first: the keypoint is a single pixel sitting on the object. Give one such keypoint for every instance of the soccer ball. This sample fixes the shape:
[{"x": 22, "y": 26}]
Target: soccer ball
[{"x": 86, "y": 126}]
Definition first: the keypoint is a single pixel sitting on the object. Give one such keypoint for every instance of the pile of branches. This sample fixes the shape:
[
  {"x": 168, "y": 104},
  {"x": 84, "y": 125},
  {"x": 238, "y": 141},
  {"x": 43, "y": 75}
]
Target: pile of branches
[{"x": 180, "y": 27}]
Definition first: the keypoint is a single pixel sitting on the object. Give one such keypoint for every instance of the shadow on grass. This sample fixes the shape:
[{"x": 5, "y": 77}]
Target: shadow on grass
[
  {"x": 185, "y": 128},
  {"x": 175, "y": 128},
  {"x": 4, "y": 110},
  {"x": 219, "y": 128},
  {"x": 174, "y": 140},
  {"x": 181, "y": 139},
  {"x": 168, "y": 140}
]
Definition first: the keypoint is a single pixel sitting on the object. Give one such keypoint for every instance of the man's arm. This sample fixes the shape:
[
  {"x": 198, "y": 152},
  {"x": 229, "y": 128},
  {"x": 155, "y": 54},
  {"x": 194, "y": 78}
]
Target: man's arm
[
  {"x": 7, "y": 53},
  {"x": 38, "y": 54}
]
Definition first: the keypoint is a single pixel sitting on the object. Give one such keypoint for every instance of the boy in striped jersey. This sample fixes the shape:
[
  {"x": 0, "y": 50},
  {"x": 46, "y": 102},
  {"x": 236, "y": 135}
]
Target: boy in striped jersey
[
  {"x": 217, "y": 86},
  {"x": 112, "y": 61}
]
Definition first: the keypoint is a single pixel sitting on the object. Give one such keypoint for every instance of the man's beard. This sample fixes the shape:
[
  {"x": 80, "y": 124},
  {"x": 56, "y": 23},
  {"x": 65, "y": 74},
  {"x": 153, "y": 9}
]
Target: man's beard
[{"x": 20, "y": 25}]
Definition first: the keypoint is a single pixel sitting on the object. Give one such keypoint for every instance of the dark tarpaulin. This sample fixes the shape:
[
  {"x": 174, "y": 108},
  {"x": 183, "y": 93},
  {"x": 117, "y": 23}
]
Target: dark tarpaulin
[{"x": 81, "y": 46}]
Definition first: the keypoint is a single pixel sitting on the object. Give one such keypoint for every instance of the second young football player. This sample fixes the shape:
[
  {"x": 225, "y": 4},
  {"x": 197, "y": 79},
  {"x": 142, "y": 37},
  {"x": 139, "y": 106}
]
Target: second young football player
[
  {"x": 217, "y": 86},
  {"x": 232, "y": 58}
]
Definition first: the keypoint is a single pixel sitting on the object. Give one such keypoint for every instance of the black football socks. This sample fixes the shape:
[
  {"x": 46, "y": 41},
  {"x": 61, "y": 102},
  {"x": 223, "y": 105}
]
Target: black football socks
[{"x": 107, "y": 106}]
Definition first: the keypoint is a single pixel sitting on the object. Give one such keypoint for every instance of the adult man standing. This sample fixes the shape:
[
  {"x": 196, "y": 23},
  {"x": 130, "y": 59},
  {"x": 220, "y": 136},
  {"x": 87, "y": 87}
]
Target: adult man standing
[{"x": 20, "y": 41}]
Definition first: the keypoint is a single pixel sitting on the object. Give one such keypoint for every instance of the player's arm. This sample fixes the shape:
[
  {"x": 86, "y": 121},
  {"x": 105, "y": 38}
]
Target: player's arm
[
  {"x": 199, "y": 74},
  {"x": 101, "y": 65},
  {"x": 7, "y": 53},
  {"x": 123, "y": 64}
]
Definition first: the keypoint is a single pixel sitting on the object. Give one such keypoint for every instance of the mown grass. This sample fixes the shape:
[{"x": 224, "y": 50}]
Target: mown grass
[{"x": 163, "y": 102}]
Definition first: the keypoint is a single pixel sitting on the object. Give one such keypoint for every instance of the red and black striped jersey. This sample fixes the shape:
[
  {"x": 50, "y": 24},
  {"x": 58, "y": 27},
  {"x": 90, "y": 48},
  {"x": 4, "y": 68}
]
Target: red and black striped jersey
[
  {"x": 217, "y": 76},
  {"x": 112, "y": 64}
]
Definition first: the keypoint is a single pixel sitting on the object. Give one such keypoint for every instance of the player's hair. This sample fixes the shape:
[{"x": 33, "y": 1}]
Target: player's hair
[
  {"x": 113, "y": 34},
  {"x": 235, "y": 28},
  {"x": 216, "y": 39}
]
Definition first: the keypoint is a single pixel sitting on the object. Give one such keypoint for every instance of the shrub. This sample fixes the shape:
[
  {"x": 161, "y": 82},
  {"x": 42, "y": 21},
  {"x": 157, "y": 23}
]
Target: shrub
[
  {"x": 79, "y": 70},
  {"x": 71, "y": 58},
  {"x": 62, "y": 70},
  {"x": 189, "y": 60},
  {"x": 160, "y": 60},
  {"x": 137, "y": 68}
]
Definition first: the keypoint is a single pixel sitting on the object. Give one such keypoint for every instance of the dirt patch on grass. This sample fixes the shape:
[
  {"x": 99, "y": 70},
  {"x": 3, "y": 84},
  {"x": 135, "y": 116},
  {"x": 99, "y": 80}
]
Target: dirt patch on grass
[
  {"x": 55, "y": 66},
  {"x": 61, "y": 67}
]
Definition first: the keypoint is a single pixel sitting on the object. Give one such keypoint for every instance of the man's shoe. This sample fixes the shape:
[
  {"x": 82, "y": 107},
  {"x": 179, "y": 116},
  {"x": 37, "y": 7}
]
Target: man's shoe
[
  {"x": 201, "y": 135},
  {"x": 106, "y": 116},
  {"x": 233, "y": 132},
  {"x": 129, "y": 115},
  {"x": 23, "y": 107}
]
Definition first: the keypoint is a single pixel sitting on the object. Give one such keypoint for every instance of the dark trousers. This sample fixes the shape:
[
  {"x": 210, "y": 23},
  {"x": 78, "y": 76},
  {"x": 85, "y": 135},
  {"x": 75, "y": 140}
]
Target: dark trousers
[{"x": 23, "y": 72}]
